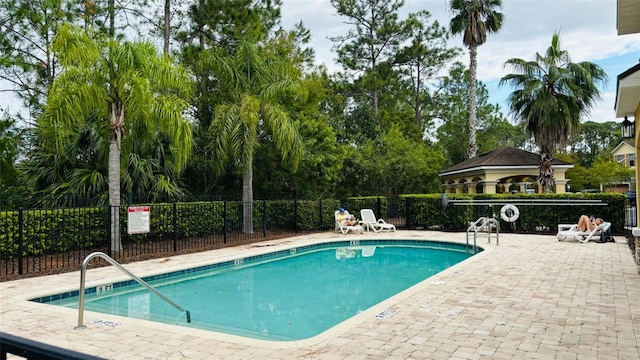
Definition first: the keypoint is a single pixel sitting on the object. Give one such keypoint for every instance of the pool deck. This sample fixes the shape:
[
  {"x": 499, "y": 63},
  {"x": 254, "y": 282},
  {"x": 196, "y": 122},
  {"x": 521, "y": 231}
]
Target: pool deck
[{"x": 531, "y": 297}]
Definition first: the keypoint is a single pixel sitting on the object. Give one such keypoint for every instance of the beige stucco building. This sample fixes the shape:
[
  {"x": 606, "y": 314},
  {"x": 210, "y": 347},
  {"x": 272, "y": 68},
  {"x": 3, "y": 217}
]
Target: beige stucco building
[
  {"x": 628, "y": 104},
  {"x": 628, "y": 83},
  {"x": 625, "y": 155},
  {"x": 628, "y": 90},
  {"x": 504, "y": 170}
]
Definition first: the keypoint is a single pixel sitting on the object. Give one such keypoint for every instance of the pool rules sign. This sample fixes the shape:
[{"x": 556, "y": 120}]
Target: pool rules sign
[{"x": 138, "y": 219}]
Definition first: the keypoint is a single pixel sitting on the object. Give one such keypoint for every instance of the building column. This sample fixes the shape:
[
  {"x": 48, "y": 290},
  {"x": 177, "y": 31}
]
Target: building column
[
  {"x": 636, "y": 230},
  {"x": 561, "y": 186},
  {"x": 448, "y": 188},
  {"x": 489, "y": 186}
]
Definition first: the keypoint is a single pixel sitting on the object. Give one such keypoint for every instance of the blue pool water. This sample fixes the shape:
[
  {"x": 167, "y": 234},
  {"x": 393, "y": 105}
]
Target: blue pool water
[{"x": 289, "y": 295}]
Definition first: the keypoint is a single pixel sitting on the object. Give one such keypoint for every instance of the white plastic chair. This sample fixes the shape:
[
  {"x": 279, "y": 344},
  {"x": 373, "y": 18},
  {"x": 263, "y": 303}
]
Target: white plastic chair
[
  {"x": 344, "y": 229},
  {"x": 369, "y": 220}
]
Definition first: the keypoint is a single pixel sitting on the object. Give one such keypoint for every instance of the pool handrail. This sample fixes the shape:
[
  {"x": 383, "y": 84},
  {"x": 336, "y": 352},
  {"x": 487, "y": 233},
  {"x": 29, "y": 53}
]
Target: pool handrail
[
  {"x": 483, "y": 224},
  {"x": 111, "y": 261}
]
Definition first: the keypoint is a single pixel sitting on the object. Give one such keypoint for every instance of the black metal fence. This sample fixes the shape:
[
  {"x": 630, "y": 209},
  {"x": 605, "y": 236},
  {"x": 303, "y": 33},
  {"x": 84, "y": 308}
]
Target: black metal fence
[
  {"x": 48, "y": 240},
  {"x": 40, "y": 241}
]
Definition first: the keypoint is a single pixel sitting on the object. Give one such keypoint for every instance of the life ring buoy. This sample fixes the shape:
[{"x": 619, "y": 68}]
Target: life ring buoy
[{"x": 509, "y": 213}]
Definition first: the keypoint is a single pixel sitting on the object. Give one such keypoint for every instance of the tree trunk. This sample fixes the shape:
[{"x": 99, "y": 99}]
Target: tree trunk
[
  {"x": 167, "y": 25},
  {"x": 247, "y": 198},
  {"x": 374, "y": 91},
  {"x": 374, "y": 97},
  {"x": 112, "y": 16},
  {"x": 116, "y": 128},
  {"x": 473, "y": 65},
  {"x": 545, "y": 176},
  {"x": 417, "y": 96}
]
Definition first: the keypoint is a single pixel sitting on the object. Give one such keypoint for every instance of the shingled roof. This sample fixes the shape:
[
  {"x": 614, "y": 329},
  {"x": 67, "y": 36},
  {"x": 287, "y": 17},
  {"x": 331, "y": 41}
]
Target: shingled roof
[{"x": 506, "y": 156}]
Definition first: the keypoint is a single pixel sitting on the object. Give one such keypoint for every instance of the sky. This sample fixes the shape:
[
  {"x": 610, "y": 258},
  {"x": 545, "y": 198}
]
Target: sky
[{"x": 587, "y": 31}]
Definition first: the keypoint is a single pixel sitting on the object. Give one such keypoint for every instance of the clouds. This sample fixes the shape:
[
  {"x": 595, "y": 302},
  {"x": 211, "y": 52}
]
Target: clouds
[{"x": 587, "y": 31}]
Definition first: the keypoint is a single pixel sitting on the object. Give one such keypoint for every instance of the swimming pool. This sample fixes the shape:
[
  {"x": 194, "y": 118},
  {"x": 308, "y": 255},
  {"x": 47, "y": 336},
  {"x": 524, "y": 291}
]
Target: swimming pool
[{"x": 286, "y": 295}]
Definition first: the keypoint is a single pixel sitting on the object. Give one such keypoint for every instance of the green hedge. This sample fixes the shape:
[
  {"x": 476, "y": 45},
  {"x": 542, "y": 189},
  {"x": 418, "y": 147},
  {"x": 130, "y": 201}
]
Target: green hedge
[
  {"x": 427, "y": 210},
  {"x": 57, "y": 230},
  {"x": 195, "y": 219},
  {"x": 61, "y": 230}
]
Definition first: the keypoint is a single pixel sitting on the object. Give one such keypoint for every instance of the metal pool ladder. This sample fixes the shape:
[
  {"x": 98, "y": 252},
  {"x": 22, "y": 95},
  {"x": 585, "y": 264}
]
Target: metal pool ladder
[
  {"x": 483, "y": 225},
  {"x": 83, "y": 272}
]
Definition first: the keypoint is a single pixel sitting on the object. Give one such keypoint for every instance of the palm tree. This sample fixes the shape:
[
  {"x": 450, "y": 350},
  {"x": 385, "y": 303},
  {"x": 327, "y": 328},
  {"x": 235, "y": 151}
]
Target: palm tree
[
  {"x": 551, "y": 95},
  {"x": 105, "y": 79},
  {"x": 474, "y": 18},
  {"x": 251, "y": 86}
]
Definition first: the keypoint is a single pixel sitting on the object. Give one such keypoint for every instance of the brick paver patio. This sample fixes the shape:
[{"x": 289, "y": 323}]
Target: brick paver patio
[{"x": 531, "y": 297}]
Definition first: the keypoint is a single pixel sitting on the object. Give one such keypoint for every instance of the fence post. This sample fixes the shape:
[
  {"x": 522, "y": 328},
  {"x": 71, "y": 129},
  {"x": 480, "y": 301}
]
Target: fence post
[
  {"x": 407, "y": 212},
  {"x": 264, "y": 218},
  {"x": 224, "y": 221},
  {"x": 109, "y": 209},
  {"x": 175, "y": 230},
  {"x": 321, "y": 223},
  {"x": 20, "y": 239},
  {"x": 295, "y": 215}
]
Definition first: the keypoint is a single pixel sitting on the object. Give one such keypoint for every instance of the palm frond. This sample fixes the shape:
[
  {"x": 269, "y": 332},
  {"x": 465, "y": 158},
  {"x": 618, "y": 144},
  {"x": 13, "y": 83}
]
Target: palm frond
[{"x": 551, "y": 95}]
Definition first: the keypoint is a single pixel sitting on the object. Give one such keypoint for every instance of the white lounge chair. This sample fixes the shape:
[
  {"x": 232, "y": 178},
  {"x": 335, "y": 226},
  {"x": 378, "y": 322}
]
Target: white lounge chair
[
  {"x": 344, "y": 229},
  {"x": 370, "y": 221},
  {"x": 571, "y": 232}
]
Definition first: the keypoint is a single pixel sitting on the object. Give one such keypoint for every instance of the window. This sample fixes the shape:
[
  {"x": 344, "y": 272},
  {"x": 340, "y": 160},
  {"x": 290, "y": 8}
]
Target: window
[{"x": 632, "y": 159}]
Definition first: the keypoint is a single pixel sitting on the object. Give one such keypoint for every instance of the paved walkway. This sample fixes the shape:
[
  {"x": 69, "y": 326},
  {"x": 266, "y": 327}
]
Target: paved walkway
[{"x": 531, "y": 297}]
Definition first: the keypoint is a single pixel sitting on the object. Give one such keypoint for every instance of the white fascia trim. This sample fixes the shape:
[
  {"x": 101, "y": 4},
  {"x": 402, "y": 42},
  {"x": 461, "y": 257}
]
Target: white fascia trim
[{"x": 501, "y": 168}]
